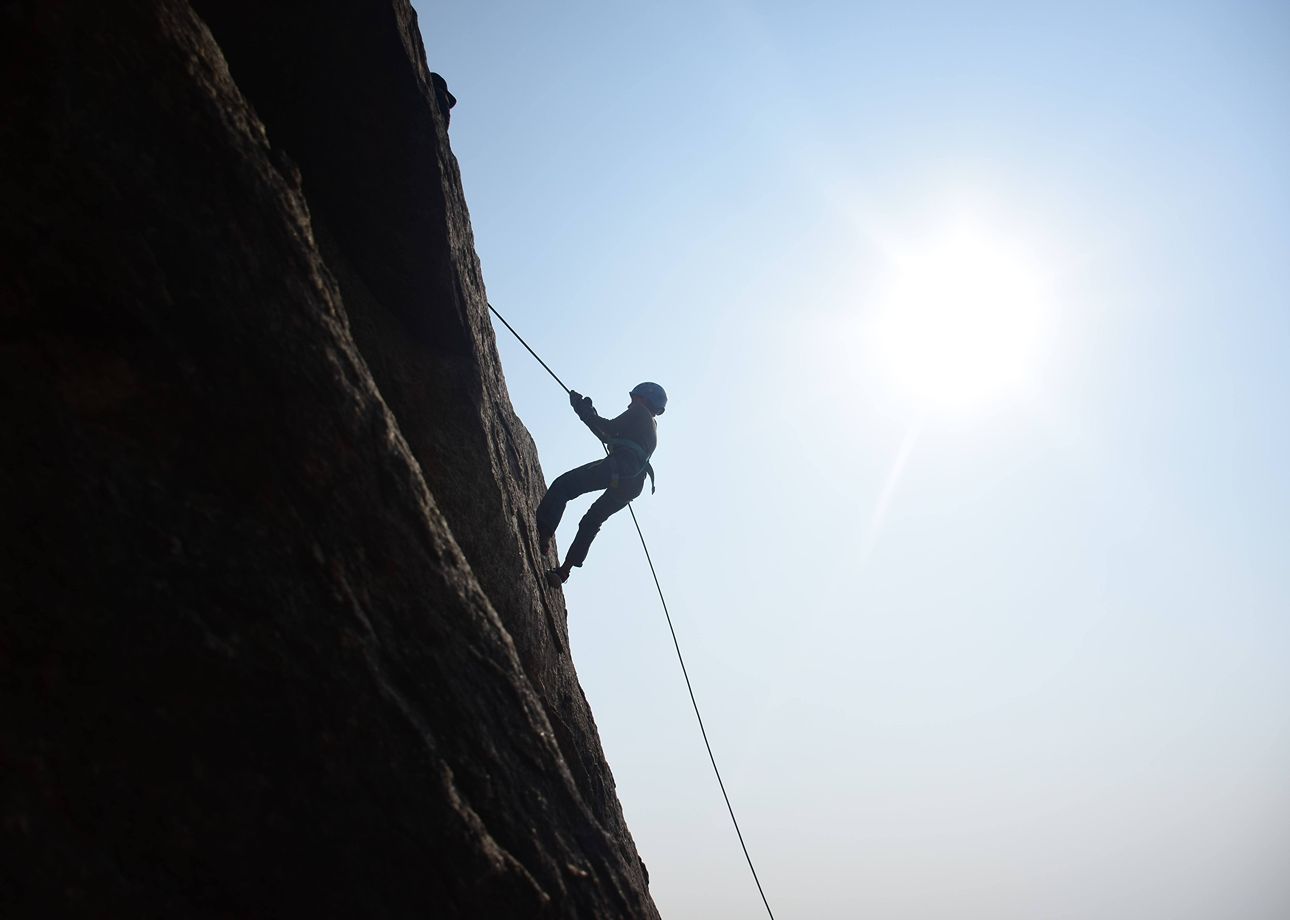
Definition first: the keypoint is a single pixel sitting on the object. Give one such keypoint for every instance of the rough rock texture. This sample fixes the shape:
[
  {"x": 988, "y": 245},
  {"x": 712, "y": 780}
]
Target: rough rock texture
[{"x": 271, "y": 641}]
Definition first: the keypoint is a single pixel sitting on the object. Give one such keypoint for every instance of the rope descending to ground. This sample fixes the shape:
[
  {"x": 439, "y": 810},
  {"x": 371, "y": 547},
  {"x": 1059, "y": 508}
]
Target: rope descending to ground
[{"x": 675, "y": 642}]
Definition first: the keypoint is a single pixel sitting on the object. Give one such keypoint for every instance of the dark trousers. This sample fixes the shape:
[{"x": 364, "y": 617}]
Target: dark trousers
[{"x": 589, "y": 478}]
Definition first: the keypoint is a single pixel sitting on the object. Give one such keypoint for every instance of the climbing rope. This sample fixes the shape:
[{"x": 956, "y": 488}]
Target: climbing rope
[
  {"x": 675, "y": 642},
  {"x": 531, "y": 351}
]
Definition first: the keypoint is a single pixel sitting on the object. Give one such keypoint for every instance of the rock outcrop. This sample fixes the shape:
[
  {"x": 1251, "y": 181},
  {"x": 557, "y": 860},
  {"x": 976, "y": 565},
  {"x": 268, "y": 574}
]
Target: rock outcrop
[{"x": 271, "y": 637}]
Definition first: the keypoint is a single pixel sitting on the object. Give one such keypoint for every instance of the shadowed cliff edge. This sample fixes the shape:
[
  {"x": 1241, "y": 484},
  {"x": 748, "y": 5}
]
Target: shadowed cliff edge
[{"x": 272, "y": 640}]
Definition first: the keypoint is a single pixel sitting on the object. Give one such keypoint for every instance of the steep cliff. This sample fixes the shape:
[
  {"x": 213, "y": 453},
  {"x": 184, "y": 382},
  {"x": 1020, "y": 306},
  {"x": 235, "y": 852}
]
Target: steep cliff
[{"x": 271, "y": 640}]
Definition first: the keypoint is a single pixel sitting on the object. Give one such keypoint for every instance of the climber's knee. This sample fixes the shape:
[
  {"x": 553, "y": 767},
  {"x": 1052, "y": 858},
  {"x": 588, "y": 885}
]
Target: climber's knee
[
  {"x": 562, "y": 491},
  {"x": 596, "y": 516},
  {"x": 562, "y": 488}
]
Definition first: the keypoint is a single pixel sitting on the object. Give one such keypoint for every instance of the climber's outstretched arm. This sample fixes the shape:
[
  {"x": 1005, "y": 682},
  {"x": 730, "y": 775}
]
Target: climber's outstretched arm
[{"x": 603, "y": 428}]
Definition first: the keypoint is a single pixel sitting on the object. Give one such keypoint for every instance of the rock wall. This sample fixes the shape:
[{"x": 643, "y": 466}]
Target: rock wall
[{"x": 271, "y": 637}]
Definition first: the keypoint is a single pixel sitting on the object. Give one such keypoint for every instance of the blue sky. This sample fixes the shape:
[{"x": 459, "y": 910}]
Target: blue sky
[{"x": 1041, "y": 667}]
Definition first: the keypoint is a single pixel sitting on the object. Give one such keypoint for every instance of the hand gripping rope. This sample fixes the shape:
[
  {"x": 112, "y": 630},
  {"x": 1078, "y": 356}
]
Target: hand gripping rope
[{"x": 686, "y": 674}]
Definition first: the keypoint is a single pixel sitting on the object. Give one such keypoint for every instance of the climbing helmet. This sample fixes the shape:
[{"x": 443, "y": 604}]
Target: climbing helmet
[{"x": 653, "y": 394}]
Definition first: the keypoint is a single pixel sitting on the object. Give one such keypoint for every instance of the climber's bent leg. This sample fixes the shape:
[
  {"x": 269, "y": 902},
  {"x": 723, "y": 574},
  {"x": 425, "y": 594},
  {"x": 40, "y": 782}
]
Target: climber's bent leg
[
  {"x": 614, "y": 500},
  {"x": 586, "y": 478}
]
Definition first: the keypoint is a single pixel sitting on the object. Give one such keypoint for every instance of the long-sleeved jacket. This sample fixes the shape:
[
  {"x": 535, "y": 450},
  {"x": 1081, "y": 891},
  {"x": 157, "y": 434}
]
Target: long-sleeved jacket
[{"x": 636, "y": 425}]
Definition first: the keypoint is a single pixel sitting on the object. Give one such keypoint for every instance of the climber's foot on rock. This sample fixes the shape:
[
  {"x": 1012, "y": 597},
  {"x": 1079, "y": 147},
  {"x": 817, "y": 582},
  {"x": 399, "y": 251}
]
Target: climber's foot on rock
[{"x": 557, "y": 576}]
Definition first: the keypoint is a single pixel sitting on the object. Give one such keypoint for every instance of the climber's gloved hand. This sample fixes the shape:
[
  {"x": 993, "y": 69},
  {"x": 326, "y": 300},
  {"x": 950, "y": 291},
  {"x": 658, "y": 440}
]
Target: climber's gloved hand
[{"x": 581, "y": 404}]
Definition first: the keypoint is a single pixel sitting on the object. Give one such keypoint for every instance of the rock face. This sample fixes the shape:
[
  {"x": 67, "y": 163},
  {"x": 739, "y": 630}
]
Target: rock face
[{"x": 271, "y": 640}]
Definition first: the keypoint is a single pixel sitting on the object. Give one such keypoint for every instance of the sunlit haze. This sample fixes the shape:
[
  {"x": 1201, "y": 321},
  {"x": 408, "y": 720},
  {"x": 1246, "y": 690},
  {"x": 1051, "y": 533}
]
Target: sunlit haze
[
  {"x": 961, "y": 321},
  {"x": 972, "y": 495}
]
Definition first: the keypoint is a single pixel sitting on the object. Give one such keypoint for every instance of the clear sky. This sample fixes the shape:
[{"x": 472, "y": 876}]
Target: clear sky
[{"x": 972, "y": 493}]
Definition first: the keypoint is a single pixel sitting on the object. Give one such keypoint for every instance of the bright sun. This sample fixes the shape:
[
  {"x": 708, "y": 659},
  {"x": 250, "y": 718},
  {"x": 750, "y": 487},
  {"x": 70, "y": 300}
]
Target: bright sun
[{"x": 962, "y": 321}]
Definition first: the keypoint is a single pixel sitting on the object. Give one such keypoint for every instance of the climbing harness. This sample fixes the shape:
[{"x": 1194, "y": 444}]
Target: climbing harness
[
  {"x": 638, "y": 452},
  {"x": 675, "y": 642}
]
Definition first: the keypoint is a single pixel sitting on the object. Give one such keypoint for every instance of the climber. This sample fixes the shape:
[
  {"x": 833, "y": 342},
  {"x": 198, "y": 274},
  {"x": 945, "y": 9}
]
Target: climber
[{"x": 630, "y": 439}]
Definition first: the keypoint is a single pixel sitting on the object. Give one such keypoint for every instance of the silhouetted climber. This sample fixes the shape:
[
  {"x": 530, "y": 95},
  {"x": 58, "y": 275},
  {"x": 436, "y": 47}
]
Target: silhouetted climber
[{"x": 631, "y": 439}]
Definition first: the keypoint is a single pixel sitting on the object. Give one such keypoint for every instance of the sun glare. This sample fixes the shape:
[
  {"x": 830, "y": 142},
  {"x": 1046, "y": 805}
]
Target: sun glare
[{"x": 962, "y": 320}]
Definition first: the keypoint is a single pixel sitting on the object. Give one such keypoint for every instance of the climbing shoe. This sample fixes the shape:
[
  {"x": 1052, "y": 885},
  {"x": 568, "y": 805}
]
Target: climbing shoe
[{"x": 555, "y": 577}]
